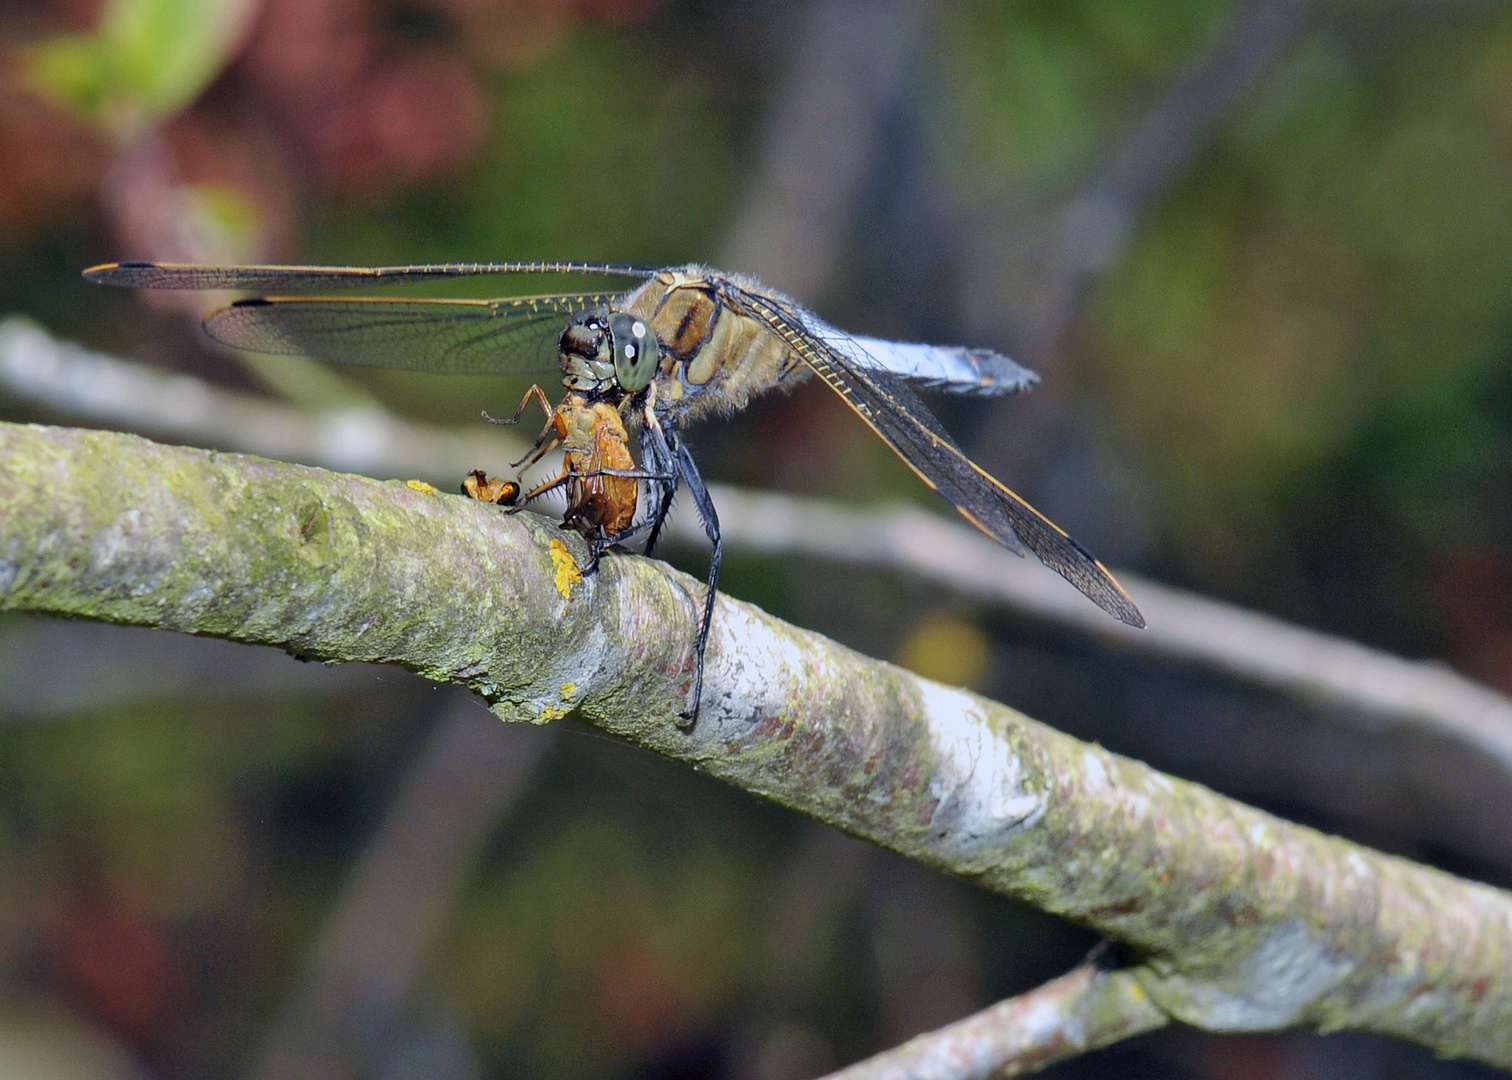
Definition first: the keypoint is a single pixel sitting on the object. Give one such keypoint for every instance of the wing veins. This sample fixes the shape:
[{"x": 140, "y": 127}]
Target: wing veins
[
  {"x": 901, "y": 420},
  {"x": 447, "y": 336},
  {"x": 152, "y": 275}
]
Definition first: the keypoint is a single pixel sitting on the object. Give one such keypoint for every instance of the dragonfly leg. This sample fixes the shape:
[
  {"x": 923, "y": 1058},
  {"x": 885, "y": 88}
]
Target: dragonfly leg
[
  {"x": 710, "y": 519},
  {"x": 657, "y": 450}
]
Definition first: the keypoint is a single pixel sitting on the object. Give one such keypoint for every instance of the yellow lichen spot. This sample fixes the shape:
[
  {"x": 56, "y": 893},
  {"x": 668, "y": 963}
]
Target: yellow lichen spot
[
  {"x": 551, "y": 713},
  {"x": 568, "y": 689},
  {"x": 947, "y": 649},
  {"x": 420, "y": 485},
  {"x": 567, "y": 572}
]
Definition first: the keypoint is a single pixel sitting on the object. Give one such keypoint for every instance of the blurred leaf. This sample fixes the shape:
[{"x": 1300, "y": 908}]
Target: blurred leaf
[
  {"x": 169, "y": 50},
  {"x": 147, "y": 60},
  {"x": 71, "y": 70}
]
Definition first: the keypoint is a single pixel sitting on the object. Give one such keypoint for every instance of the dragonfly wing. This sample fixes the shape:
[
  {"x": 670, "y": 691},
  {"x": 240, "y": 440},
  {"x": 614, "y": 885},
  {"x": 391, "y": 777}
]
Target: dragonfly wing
[
  {"x": 895, "y": 413},
  {"x": 454, "y": 337},
  {"x": 951, "y": 368},
  {"x": 151, "y": 275}
]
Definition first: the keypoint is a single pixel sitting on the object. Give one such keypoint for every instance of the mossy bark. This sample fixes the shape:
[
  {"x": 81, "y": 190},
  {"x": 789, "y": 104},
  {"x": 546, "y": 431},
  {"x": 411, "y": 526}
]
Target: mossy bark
[{"x": 1243, "y": 921}]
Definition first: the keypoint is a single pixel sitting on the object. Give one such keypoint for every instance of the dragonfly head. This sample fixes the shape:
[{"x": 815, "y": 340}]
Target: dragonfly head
[
  {"x": 586, "y": 353},
  {"x": 598, "y": 351},
  {"x": 636, "y": 351}
]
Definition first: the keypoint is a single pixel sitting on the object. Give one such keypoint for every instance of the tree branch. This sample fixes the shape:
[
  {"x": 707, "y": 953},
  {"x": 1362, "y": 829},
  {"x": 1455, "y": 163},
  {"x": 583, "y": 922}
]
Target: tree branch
[
  {"x": 1257, "y": 648},
  {"x": 1083, "y": 1010},
  {"x": 1244, "y": 921},
  {"x": 1267, "y": 651}
]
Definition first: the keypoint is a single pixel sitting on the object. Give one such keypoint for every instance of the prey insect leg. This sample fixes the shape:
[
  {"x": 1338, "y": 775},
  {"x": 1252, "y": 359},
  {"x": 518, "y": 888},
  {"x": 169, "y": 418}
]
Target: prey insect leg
[
  {"x": 550, "y": 435},
  {"x": 569, "y": 474}
]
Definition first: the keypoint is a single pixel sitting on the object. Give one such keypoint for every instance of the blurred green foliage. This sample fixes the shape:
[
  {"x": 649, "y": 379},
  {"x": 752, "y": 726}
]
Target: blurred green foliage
[
  {"x": 614, "y": 147},
  {"x": 1330, "y": 296},
  {"x": 1030, "y": 93},
  {"x": 144, "y": 61},
  {"x": 604, "y": 938}
]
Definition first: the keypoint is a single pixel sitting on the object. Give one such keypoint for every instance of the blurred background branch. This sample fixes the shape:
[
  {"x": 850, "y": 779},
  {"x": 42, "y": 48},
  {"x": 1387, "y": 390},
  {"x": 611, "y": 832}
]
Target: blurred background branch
[
  {"x": 1083, "y": 1010},
  {"x": 350, "y": 1014}
]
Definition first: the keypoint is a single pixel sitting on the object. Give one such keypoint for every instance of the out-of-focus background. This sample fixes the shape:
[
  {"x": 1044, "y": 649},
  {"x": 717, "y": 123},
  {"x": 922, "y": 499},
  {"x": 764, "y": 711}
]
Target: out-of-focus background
[{"x": 1260, "y": 251}]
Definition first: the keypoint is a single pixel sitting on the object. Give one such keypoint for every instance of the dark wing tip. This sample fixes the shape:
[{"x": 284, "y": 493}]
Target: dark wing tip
[
  {"x": 1001, "y": 374},
  {"x": 115, "y": 273},
  {"x": 1111, "y": 596},
  {"x": 250, "y": 301},
  {"x": 144, "y": 275}
]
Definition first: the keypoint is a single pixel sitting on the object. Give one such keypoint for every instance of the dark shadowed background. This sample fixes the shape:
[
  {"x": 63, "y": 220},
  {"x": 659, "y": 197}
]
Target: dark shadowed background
[{"x": 1260, "y": 251}]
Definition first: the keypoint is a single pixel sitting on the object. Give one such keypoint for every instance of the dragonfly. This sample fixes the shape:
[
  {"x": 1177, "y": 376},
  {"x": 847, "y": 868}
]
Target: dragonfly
[{"x": 679, "y": 344}]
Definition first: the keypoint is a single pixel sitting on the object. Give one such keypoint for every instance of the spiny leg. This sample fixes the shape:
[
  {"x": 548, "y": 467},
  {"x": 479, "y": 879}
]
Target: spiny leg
[
  {"x": 656, "y": 449},
  {"x": 710, "y": 519},
  {"x": 569, "y": 473}
]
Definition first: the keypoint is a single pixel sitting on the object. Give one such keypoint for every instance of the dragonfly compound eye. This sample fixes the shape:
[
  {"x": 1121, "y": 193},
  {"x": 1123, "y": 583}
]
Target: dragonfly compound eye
[{"x": 636, "y": 352}]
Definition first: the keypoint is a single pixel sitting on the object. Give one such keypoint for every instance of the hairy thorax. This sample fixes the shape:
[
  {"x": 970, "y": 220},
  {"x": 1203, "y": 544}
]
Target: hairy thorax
[{"x": 714, "y": 359}]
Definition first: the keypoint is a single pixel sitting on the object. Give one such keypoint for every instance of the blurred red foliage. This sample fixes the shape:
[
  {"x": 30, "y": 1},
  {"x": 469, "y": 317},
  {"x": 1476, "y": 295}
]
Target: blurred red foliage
[
  {"x": 116, "y": 962},
  {"x": 1474, "y": 594},
  {"x": 53, "y": 163},
  {"x": 643, "y": 1002},
  {"x": 326, "y": 98}
]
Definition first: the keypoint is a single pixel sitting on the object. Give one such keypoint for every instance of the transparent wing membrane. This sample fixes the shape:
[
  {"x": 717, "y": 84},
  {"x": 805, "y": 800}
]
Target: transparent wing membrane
[
  {"x": 150, "y": 275},
  {"x": 453, "y": 337},
  {"x": 951, "y": 368},
  {"x": 896, "y": 414}
]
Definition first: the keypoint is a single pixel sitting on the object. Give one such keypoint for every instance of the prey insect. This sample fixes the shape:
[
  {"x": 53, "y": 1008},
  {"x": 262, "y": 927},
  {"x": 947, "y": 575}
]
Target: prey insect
[
  {"x": 599, "y": 475},
  {"x": 681, "y": 344}
]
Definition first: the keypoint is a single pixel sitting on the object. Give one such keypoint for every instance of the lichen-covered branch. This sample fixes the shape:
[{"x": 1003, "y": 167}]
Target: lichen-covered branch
[
  {"x": 1242, "y": 921},
  {"x": 1375, "y": 687},
  {"x": 1085, "y": 1009}
]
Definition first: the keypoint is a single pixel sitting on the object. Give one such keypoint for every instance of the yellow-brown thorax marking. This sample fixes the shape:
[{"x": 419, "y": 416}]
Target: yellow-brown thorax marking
[{"x": 714, "y": 358}]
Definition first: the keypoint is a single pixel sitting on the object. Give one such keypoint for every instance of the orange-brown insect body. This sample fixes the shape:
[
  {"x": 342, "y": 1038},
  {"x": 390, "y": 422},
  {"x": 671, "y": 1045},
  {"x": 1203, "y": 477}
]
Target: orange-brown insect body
[
  {"x": 477, "y": 485},
  {"x": 600, "y": 505}
]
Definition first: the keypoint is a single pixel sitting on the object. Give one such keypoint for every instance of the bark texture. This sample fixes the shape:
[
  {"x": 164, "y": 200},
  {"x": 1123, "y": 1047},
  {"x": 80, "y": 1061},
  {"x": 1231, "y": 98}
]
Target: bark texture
[{"x": 1243, "y": 921}]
